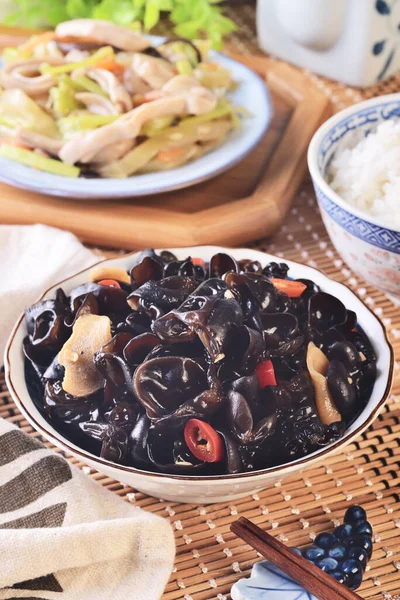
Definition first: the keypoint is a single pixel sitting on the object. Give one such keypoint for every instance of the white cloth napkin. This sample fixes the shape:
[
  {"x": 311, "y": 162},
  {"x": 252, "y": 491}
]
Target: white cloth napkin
[
  {"x": 63, "y": 536},
  {"x": 32, "y": 258}
]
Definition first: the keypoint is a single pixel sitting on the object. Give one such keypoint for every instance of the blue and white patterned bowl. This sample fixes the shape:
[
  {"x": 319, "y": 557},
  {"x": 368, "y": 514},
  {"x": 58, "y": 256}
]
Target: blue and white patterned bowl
[
  {"x": 267, "y": 582},
  {"x": 367, "y": 244}
]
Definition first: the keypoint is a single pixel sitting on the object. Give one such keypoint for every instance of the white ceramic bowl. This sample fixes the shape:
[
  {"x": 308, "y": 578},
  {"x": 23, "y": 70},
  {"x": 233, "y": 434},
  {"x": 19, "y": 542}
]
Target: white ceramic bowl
[
  {"x": 251, "y": 93},
  {"x": 369, "y": 246},
  {"x": 193, "y": 489}
]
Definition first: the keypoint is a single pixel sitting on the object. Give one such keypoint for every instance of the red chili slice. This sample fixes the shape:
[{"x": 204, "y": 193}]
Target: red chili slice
[
  {"x": 109, "y": 283},
  {"x": 198, "y": 261},
  {"x": 203, "y": 441},
  {"x": 266, "y": 374},
  {"x": 293, "y": 289}
]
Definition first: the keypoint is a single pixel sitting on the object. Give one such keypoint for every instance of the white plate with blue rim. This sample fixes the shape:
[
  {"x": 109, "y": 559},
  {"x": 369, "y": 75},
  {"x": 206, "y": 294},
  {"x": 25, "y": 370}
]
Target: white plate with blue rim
[
  {"x": 267, "y": 582},
  {"x": 251, "y": 93}
]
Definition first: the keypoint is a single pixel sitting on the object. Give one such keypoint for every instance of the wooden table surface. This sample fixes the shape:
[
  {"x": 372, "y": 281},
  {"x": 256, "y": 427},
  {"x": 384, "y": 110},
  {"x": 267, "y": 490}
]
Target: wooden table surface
[{"x": 209, "y": 558}]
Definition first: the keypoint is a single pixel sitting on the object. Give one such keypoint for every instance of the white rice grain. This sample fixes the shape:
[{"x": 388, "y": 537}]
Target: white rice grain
[{"x": 368, "y": 175}]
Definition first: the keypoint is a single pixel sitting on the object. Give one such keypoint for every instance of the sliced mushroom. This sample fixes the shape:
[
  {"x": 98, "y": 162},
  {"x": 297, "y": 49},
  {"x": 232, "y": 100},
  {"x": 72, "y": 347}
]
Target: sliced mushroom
[
  {"x": 104, "y": 32},
  {"x": 154, "y": 71},
  {"x": 37, "y": 140},
  {"x": 317, "y": 365},
  {"x": 25, "y": 75},
  {"x": 133, "y": 83},
  {"x": 89, "y": 334},
  {"x": 99, "y": 273},
  {"x": 110, "y": 84},
  {"x": 112, "y": 152},
  {"x": 96, "y": 104},
  {"x": 200, "y": 100}
]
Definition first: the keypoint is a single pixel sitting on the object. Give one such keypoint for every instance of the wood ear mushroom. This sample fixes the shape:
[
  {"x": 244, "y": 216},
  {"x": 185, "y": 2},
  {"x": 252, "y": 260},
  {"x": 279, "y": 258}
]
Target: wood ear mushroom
[
  {"x": 89, "y": 333},
  {"x": 317, "y": 365}
]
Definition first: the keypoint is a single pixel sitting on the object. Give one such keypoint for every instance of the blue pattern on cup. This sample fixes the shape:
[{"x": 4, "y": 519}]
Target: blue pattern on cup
[{"x": 388, "y": 46}]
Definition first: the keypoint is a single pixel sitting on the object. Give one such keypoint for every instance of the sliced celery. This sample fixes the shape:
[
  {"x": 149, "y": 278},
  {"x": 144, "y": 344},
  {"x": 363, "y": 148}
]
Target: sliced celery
[
  {"x": 222, "y": 110},
  {"x": 36, "y": 161},
  {"x": 105, "y": 52},
  {"x": 243, "y": 111},
  {"x": 77, "y": 123},
  {"x": 16, "y": 105},
  {"x": 204, "y": 47},
  {"x": 7, "y": 122},
  {"x": 9, "y": 55},
  {"x": 155, "y": 126},
  {"x": 213, "y": 76},
  {"x": 85, "y": 84},
  {"x": 235, "y": 121},
  {"x": 63, "y": 99},
  {"x": 184, "y": 67}
]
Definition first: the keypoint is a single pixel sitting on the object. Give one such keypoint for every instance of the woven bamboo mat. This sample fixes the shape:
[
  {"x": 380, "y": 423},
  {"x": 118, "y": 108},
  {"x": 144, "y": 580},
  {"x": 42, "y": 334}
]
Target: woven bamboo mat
[{"x": 209, "y": 558}]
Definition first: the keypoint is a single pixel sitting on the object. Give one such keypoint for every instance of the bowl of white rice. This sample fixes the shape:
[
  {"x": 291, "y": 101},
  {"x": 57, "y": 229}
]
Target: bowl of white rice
[{"x": 354, "y": 161}]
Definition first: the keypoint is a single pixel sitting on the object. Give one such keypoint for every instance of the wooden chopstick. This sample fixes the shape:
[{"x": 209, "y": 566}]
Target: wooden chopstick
[{"x": 315, "y": 581}]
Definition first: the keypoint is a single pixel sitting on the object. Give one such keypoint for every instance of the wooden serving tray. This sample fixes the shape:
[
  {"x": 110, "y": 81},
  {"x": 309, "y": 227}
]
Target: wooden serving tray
[{"x": 245, "y": 203}]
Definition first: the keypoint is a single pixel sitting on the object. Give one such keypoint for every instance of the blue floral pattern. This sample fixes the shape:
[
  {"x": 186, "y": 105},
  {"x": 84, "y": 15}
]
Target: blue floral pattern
[
  {"x": 387, "y": 47},
  {"x": 385, "y": 239},
  {"x": 267, "y": 582}
]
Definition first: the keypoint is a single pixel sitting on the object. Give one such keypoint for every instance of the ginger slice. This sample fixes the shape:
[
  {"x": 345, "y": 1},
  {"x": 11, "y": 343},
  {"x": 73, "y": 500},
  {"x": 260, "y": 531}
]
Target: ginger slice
[
  {"x": 89, "y": 333},
  {"x": 99, "y": 273},
  {"x": 317, "y": 365}
]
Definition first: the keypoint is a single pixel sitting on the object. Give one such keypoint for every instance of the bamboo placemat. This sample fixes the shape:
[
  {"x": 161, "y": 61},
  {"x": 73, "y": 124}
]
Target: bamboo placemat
[{"x": 209, "y": 558}]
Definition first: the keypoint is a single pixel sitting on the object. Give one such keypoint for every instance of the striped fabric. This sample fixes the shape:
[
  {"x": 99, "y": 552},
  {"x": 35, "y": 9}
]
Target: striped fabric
[{"x": 64, "y": 537}]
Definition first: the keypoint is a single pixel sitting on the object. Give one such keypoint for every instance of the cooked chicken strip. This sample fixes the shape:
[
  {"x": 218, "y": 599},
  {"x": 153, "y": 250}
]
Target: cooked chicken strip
[
  {"x": 133, "y": 83},
  {"x": 154, "y": 71},
  {"x": 200, "y": 99},
  {"x": 96, "y": 104},
  {"x": 23, "y": 75},
  {"x": 180, "y": 83},
  {"x": 104, "y": 32},
  {"x": 37, "y": 140},
  {"x": 110, "y": 84},
  {"x": 82, "y": 148},
  {"x": 113, "y": 152}
]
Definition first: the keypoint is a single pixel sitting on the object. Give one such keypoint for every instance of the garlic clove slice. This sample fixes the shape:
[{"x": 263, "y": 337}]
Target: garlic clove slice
[
  {"x": 99, "y": 273},
  {"x": 89, "y": 334},
  {"x": 317, "y": 365}
]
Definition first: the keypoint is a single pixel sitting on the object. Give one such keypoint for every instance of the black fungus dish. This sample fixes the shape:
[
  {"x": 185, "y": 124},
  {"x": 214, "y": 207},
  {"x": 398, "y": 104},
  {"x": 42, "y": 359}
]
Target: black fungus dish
[{"x": 184, "y": 367}]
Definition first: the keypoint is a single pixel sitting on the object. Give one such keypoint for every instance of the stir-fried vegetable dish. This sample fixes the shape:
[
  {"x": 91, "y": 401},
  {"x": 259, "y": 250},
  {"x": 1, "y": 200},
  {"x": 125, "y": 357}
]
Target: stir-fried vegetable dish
[
  {"x": 182, "y": 366},
  {"x": 97, "y": 99}
]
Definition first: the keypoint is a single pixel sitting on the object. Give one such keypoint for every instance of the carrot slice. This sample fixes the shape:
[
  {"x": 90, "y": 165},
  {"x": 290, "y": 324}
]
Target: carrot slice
[
  {"x": 167, "y": 156},
  {"x": 13, "y": 142},
  {"x": 198, "y": 261},
  {"x": 293, "y": 289},
  {"x": 110, "y": 65}
]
